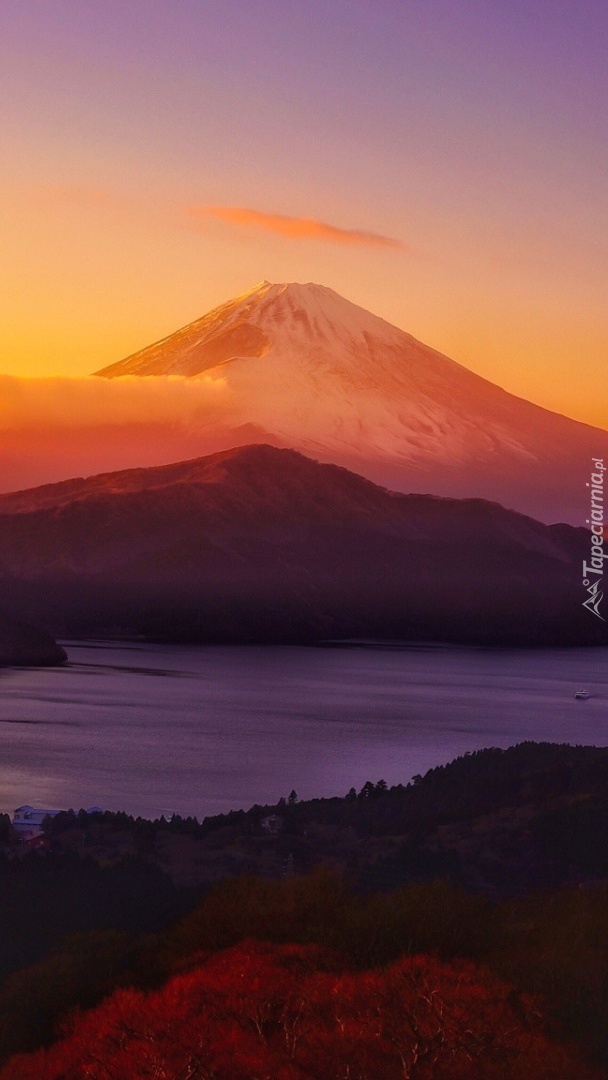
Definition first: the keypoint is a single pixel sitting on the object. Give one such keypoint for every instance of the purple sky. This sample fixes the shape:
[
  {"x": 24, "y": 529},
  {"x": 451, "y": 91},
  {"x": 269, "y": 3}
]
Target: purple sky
[{"x": 473, "y": 132}]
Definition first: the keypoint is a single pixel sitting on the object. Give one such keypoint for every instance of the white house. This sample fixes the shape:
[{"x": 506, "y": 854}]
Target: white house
[{"x": 27, "y": 820}]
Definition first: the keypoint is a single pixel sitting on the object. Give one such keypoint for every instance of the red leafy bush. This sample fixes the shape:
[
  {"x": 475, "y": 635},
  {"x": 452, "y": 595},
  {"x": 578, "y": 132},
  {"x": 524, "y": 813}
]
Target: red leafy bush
[{"x": 262, "y": 1012}]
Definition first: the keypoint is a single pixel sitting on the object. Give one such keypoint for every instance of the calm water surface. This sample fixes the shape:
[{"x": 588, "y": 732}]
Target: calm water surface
[{"x": 155, "y": 729}]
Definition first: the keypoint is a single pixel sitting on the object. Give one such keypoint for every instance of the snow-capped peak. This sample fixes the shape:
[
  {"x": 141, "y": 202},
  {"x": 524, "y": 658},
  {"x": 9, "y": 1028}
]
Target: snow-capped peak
[{"x": 310, "y": 370}]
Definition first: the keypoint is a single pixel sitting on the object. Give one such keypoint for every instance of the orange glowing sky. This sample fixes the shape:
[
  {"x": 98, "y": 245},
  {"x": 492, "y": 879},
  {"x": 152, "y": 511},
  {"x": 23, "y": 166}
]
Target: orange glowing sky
[{"x": 442, "y": 165}]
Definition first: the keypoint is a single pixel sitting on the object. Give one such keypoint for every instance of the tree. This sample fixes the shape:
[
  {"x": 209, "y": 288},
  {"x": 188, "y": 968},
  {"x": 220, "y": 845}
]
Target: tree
[
  {"x": 368, "y": 790},
  {"x": 258, "y": 1011}
]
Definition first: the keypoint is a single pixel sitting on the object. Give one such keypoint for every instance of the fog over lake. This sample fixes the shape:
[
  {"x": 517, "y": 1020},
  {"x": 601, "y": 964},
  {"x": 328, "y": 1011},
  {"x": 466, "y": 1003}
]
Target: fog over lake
[{"x": 203, "y": 730}]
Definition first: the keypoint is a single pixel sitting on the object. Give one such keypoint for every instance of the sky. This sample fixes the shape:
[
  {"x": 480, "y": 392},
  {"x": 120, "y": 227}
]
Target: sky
[{"x": 440, "y": 162}]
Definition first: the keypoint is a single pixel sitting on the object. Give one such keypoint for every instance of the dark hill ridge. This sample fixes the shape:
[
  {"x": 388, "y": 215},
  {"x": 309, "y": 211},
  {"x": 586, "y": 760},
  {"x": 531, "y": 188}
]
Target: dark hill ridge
[
  {"x": 262, "y": 544},
  {"x": 277, "y": 481},
  {"x": 498, "y": 822},
  {"x": 22, "y": 645}
]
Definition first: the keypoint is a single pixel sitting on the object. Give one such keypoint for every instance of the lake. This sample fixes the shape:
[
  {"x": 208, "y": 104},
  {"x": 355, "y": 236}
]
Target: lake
[{"x": 203, "y": 730}]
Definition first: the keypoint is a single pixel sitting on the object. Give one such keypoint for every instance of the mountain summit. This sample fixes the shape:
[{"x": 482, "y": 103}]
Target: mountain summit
[
  {"x": 267, "y": 320},
  {"x": 307, "y": 369}
]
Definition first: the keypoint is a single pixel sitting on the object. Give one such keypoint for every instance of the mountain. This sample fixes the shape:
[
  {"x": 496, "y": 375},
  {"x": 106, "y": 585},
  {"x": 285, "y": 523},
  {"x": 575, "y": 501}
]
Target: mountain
[
  {"x": 309, "y": 370},
  {"x": 22, "y": 645},
  {"x": 263, "y": 544}
]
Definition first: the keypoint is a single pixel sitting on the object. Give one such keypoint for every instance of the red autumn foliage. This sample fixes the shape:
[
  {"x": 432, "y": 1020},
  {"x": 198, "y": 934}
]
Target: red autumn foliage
[{"x": 263, "y": 1012}]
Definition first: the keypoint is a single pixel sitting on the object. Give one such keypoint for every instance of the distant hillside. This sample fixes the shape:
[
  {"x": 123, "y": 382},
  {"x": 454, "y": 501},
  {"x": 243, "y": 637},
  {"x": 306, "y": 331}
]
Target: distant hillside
[
  {"x": 265, "y": 545},
  {"x": 499, "y": 822},
  {"x": 370, "y": 878}
]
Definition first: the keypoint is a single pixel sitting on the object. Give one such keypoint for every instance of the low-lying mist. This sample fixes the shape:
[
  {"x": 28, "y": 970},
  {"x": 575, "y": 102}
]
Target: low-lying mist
[{"x": 57, "y": 427}]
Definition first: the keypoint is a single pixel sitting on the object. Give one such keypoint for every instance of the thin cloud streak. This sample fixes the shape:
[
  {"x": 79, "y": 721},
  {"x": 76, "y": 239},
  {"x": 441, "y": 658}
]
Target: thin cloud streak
[{"x": 295, "y": 228}]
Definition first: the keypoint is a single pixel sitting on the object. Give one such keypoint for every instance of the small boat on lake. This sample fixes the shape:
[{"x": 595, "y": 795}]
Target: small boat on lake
[{"x": 582, "y": 695}]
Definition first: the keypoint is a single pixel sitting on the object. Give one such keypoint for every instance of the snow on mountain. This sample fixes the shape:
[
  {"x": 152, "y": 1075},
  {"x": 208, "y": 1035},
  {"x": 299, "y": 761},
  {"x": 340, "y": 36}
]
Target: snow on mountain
[
  {"x": 315, "y": 372},
  {"x": 312, "y": 366}
]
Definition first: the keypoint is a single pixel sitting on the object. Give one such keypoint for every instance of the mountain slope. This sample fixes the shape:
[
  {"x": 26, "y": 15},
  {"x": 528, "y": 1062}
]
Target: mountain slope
[
  {"x": 314, "y": 372},
  {"x": 260, "y": 544}
]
